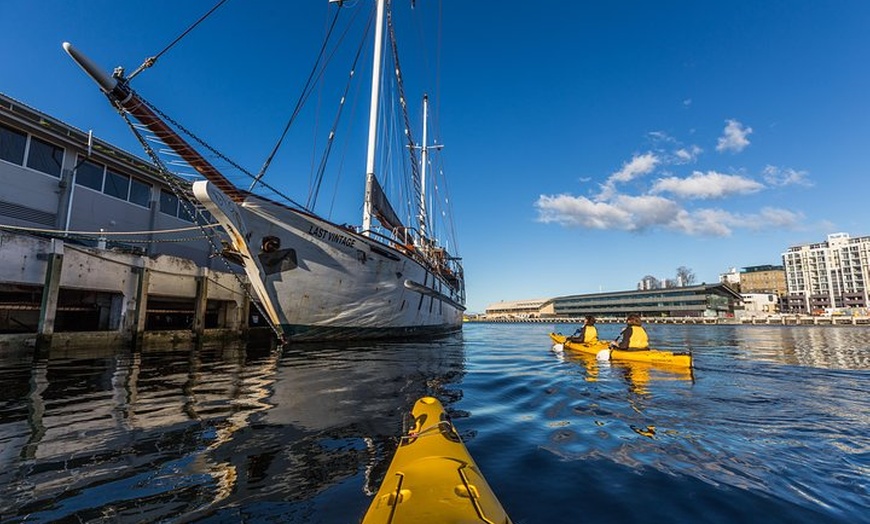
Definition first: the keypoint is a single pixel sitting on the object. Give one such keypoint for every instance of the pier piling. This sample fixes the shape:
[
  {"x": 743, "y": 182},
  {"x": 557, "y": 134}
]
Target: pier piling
[{"x": 50, "y": 293}]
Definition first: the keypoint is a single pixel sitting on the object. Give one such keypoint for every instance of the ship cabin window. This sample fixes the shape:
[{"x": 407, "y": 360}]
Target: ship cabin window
[
  {"x": 12, "y": 145},
  {"x": 90, "y": 175},
  {"x": 117, "y": 185},
  {"x": 45, "y": 157}
]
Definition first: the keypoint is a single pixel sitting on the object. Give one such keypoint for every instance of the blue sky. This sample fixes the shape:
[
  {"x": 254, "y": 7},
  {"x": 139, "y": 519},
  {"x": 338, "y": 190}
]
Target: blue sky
[{"x": 587, "y": 144}]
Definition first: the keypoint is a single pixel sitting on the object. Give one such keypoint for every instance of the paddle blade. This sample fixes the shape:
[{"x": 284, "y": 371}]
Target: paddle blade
[
  {"x": 558, "y": 348},
  {"x": 603, "y": 355}
]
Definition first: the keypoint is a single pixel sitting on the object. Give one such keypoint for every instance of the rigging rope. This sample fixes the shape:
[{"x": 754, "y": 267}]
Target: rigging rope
[
  {"x": 105, "y": 233},
  {"x": 152, "y": 60},
  {"x": 217, "y": 153},
  {"x": 318, "y": 179},
  {"x": 400, "y": 86},
  {"x": 306, "y": 92},
  {"x": 117, "y": 236}
]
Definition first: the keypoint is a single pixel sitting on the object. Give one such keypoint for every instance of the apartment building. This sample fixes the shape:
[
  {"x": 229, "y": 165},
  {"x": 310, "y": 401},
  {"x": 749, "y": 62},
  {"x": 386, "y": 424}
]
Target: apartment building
[{"x": 827, "y": 275}]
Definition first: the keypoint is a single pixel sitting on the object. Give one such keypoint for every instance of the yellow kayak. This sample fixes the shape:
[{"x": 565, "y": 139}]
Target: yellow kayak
[
  {"x": 432, "y": 477},
  {"x": 652, "y": 356}
]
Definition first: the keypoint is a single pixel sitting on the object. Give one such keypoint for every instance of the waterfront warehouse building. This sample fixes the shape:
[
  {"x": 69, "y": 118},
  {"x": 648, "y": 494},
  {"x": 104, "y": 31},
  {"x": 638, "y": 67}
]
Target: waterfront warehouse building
[
  {"x": 530, "y": 308},
  {"x": 826, "y": 276},
  {"x": 95, "y": 239},
  {"x": 705, "y": 300},
  {"x": 57, "y": 179}
]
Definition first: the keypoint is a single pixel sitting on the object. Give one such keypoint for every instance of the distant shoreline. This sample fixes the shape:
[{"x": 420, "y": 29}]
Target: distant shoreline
[{"x": 772, "y": 320}]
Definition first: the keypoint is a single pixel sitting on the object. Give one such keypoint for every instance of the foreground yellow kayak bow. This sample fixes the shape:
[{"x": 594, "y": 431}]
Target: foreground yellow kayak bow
[{"x": 432, "y": 478}]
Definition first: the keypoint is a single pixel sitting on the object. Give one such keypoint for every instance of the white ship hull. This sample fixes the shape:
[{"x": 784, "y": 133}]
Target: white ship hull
[{"x": 322, "y": 281}]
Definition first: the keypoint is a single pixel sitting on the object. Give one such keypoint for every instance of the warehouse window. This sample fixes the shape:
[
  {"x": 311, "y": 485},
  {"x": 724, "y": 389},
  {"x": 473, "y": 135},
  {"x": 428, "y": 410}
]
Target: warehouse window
[
  {"x": 140, "y": 193},
  {"x": 184, "y": 211},
  {"x": 171, "y": 205},
  {"x": 117, "y": 185},
  {"x": 12, "y": 145},
  {"x": 168, "y": 203},
  {"x": 45, "y": 157},
  {"x": 90, "y": 175}
]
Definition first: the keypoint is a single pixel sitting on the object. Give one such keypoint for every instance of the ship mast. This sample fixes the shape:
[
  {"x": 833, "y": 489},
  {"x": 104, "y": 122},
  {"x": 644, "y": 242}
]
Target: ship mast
[
  {"x": 373, "y": 117},
  {"x": 424, "y": 159}
]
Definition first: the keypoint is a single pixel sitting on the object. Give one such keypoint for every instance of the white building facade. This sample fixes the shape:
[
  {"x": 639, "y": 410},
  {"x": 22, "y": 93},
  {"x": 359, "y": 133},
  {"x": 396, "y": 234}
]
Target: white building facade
[
  {"x": 827, "y": 276},
  {"x": 755, "y": 304},
  {"x": 732, "y": 277}
]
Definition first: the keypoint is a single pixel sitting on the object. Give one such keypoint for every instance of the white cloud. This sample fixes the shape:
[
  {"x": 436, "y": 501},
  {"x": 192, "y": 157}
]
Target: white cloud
[
  {"x": 660, "y": 136},
  {"x": 776, "y": 176},
  {"x": 778, "y": 218},
  {"x": 686, "y": 155},
  {"x": 647, "y": 211},
  {"x": 733, "y": 137},
  {"x": 718, "y": 222},
  {"x": 706, "y": 185},
  {"x": 579, "y": 211},
  {"x": 641, "y": 213},
  {"x": 639, "y": 165},
  {"x": 625, "y": 213},
  {"x": 703, "y": 222},
  {"x": 666, "y": 203}
]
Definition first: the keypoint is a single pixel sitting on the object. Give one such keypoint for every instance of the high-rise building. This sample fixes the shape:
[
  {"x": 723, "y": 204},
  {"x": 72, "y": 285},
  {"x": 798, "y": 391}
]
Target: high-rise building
[{"x": 827, "y": 275}]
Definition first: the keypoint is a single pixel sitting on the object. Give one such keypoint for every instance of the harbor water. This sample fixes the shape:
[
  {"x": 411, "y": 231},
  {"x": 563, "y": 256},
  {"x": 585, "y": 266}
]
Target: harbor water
[{"x": 771, "y": 425}]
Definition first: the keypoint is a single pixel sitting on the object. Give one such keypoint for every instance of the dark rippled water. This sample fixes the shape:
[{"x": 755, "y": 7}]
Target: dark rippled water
[{"x": 773, "y": 425}]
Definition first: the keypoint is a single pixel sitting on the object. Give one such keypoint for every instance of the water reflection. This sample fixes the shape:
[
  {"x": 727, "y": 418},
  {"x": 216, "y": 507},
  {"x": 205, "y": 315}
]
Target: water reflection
[
  {"x": 245, "y": 434},
  {"x": 827, "y": 347},
  {"x": 637, "y": 375},
  {"x": 124, "y": 422},
  {"x": 152, "y": 434}
]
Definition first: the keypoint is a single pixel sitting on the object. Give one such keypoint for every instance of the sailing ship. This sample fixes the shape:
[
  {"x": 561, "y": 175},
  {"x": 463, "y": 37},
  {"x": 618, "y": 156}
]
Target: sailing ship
[{"x": 315, "y": 279}]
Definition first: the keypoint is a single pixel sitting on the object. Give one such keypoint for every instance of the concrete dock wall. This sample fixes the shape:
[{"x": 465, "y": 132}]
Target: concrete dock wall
[{"x": 58, "y": 293}]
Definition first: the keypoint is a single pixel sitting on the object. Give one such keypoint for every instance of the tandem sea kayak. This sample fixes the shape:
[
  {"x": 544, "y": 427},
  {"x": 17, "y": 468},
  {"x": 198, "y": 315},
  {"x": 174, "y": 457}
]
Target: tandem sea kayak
[
  {"x": 652, "y": 356},
  {"x": 432, "y": 477}
]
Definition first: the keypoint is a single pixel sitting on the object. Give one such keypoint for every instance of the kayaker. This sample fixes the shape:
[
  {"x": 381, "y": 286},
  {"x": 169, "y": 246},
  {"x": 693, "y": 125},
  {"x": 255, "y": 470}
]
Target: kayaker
[
  {"x": 588, "y": 334},
  {"x": 633, "y": 336}
]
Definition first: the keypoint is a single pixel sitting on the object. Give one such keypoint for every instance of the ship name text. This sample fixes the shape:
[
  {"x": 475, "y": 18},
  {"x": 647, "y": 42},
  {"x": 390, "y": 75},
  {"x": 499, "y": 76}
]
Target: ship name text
[{"x": 319, "y": 232}]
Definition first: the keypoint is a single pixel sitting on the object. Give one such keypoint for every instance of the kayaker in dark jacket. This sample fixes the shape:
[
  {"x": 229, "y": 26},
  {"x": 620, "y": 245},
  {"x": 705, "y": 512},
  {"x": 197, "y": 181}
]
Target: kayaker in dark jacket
[
  {"x": 588, "y": 334},
  {"x": 633, "y": 337}
]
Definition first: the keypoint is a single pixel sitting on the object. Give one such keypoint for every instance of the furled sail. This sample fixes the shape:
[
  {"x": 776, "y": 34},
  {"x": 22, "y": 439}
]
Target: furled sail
[{"x": 382, "y": 209}]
